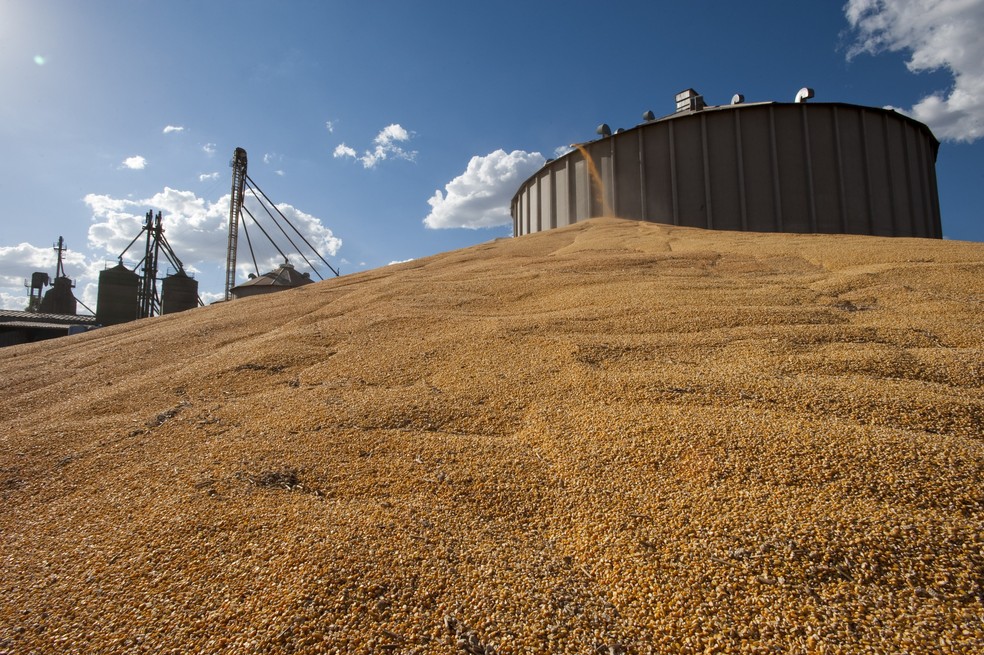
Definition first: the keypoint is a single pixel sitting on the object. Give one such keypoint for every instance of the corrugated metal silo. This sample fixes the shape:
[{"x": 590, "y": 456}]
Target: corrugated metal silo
[
  {"x": 764, "y": 167},
  {"x": 178, "y": 293},
  {"x": 117, "y": 298},
  {"x": 60, "y": 299}
]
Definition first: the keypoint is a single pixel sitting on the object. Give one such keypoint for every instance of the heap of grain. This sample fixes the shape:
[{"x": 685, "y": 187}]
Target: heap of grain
[{"x": 613, "y": 437}]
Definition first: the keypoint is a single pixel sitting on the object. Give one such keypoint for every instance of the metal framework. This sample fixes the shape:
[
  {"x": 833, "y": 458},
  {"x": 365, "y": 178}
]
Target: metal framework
[
  {"x": 148, "y": 300},
  {"x": 240, "y": 183},
  {"x": 235, "y": 209}
]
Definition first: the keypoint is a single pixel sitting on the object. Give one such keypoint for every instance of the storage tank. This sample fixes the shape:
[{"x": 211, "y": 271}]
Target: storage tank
[
  {"x": 765, "y": 167},
  {"x": 117, "y": 298},
  {"x": 60, "y": 299},
  {"x": 178, "y": 293}
]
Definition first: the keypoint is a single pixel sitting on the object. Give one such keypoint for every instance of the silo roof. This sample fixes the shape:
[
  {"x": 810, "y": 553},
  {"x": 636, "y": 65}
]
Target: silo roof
[{"x": 283, "y": 276}]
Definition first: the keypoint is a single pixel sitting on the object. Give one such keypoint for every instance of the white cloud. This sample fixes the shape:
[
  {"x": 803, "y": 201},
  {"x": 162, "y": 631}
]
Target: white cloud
[
  {"x": 480, "y": 196},
  {"x": 400, "y": 261},
  {"x": 560, "y": 151},
  {"x": 938, "y": 34},
  {"x": 280, "y": 173},
  {"x": 209, "y": 149},
  {"x": 330, "y": 126},
  {"x": 197, "y": 229},
  {"x": 342, "y": 150},
  {"x": 136, "y": 163},
  {"x": 206, "y": 177},
  {"x": 173, "y": 128},
  {"x": 13, "y": 300},
  {"x": 17, "y": 263},
  {"x": 385, "y": 146}
]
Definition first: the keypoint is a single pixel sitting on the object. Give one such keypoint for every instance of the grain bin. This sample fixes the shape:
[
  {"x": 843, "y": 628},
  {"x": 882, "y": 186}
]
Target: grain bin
[
  {"x": 117, "y": 298},
  {"x": 60, "y": 299},
  {"x": 801, "y": 167},
  {"x": 178, "y": 293}
]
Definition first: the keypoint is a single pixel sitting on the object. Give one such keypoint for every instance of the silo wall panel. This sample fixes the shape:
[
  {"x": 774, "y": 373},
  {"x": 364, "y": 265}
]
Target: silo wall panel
[
  {"x": 688, "y": 162},
  {"x": 915, "y": 174},
  {"x": 902, "y": 219},
  {"x": 562, "y": 193},
  {"x": 826, "y": 170},
  {"x": 627, "y": 185},
  {"x": 658, "y": 184},
  {"x": 922, "y": 174},
  {"x": 854, "y": 171},
  {"x": 757, "y": 168},
  {"x": 794, "y": 185},
  {"x": 582, "y": 191},
  {"x": 534, "y": 191},
  {"x": 547, "y": 220},
  {"x": 524, "y": 226},
  {"x": 879, "y": 187},
  {"x": 722, "y": 165},
  {"x": 603, "y": 182}
]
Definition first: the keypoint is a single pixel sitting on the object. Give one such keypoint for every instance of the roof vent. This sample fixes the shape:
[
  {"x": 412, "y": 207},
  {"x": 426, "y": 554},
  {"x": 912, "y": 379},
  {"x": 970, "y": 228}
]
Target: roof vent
[
  {"x": 803, "y": 94},
  {"x": 689, "y": 100}
]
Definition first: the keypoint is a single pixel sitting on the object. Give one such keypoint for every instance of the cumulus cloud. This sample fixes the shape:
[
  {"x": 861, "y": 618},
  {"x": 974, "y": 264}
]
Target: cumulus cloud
[
  {"x": 17, "y": 263},
  {"x": 342, "y": 150},
  {"x": 480, "y": 196},
  {"x": 209, "y": 149},
  {"x": 197, "y": 229},
  {"x": 560, "y": 151},
  {"x": 207, "y": 177},
  {"x": 173, "y": 128},
  {"x": 386, "y": 145},
  {"x": 937, "y": 34},
  {"x": 136, "y": 163}
]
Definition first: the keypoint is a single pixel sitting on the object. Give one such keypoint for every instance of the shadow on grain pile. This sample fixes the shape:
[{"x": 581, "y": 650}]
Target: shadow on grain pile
[{"x": 616, "y": 437}]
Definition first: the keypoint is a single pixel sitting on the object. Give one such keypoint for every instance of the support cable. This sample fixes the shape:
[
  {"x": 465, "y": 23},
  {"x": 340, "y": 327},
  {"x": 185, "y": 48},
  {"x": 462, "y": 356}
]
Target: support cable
[
  {"x": 249, "y": 242},
  {"x": 313, "y": 249},
  {"x": 274, "y": 243},
  {"x": 279, "y": 226},
  {"x": 296, "y": 249}
]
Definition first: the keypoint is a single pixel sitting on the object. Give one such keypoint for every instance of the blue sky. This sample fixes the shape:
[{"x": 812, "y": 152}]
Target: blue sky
[{"x": 392, "y": 130}]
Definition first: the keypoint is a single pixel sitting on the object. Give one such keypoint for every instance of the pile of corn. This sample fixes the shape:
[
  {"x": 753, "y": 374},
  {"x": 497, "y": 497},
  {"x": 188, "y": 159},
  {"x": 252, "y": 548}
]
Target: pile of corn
[{"x": 616, "y": 437}]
